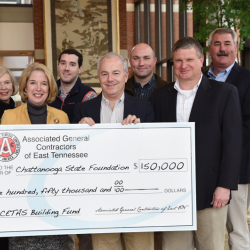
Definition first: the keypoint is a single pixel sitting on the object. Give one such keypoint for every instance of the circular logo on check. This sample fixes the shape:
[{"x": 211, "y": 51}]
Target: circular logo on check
[{"x": 9, "y": 147}]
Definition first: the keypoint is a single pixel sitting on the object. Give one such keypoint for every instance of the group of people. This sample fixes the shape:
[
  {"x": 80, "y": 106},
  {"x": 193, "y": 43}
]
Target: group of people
[{"x": 218, "y": 101}]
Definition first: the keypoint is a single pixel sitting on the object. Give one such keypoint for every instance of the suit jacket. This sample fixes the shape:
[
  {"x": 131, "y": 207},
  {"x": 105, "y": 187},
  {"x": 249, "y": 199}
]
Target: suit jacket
[
  {"x": 129, "y": 86},
  {"x": 218, "y": 134},
  {"x": 132, "y": 106},
  {"x": 240, "y": 78},
  {"x": 20, "y": 115},
  {"x": 4, "y": 106}
]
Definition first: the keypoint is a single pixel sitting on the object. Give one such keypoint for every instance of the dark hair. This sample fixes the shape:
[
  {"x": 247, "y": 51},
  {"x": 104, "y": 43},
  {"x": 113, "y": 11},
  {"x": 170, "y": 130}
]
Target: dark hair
[
  {"x": 188, "y": 43},
  {"x": 72, "y": 52}
]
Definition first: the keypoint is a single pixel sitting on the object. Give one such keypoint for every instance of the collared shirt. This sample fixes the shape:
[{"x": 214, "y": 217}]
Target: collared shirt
[
  {"x": 90, "y": 95},
  {"x": 112, "y": 116},
  {"x": 185, "y": 100},
  {"x": 222, "y": 76},
  {"x": 62, "y": 95},
  {"x": 145, "y": 91}
]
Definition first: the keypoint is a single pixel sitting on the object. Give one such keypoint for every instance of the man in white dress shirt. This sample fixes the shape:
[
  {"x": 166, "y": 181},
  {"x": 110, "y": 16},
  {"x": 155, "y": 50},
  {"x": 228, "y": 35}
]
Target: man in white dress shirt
[
  {"x": 115, "y": 106},
  {"x": 215, "y": 109}
]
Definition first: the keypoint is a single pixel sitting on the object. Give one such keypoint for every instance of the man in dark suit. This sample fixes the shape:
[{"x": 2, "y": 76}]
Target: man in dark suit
[
  {"x": 223, "y": 51},
  {"x": 215, "y": 109},
  {"x": 115, "y": 106}
]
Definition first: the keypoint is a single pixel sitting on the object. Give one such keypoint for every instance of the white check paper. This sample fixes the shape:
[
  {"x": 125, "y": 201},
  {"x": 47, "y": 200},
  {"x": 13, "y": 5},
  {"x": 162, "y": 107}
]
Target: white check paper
[{"x": 67, "y": 179}]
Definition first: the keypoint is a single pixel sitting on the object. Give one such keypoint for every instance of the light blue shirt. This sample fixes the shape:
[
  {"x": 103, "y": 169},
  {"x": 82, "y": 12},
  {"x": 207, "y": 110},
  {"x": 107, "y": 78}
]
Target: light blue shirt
[{"x": 222, "y": 76}]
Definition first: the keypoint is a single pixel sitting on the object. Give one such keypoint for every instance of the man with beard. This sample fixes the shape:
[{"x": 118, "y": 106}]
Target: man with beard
[
  {"x": 144, "y": 81},
  {"x": 71, "y": 89},
  {"x": 223, "y": 51}
]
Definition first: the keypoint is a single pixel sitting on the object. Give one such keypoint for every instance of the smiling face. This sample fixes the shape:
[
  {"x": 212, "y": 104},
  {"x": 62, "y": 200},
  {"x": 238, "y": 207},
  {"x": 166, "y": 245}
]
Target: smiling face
[
  {"x": 187, "y": 67},
  {"x": 223, "y": 51},
  {"x": 6, "y": 88},
  {"x": 142, "y": 61},
  {"x": 37, "y": 88},
  {"x": 68, "y": 69},
  {"x": 112, "y": 77}
]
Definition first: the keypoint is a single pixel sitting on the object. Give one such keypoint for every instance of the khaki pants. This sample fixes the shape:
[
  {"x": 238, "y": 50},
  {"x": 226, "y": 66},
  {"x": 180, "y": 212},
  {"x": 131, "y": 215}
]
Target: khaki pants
[
  {"x": 133, "y": 241},
  {"x": 237, "y": 226},
  {"x": 210, "y": 232}
]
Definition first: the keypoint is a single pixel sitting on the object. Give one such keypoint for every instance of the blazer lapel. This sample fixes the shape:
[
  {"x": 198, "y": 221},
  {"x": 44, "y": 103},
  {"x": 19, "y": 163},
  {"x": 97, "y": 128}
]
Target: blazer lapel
[
  {"x": 94, "y": 110},
  {"x": 234, "y": 75},
  {"x": 129, "y": 107},
  {"x": 170, "y": 104},
  {"x": 200, "y": 100}
]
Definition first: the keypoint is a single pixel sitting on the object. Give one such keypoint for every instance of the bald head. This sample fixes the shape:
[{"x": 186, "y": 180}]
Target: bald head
[
  {"x": 142, "y": 46},
  {"x": 142, "y": 61}
]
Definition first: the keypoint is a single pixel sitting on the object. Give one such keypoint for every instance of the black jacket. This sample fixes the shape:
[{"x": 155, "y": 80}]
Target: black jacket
[
  {"x": 4, "y": 106},
  {"x": 76, "y": 95},
  {"x": 129, "y": 86},
  {"x": 218, "y": 134},
  {"x": 240, "y": 78},
  {"x": 132, "y": 106}
]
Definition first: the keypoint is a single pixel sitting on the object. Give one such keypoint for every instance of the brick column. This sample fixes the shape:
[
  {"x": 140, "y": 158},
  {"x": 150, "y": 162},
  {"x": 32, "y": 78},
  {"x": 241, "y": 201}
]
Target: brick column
[
  {"x": 38, "y": 31},
  {"x": 129, "y": 29}
]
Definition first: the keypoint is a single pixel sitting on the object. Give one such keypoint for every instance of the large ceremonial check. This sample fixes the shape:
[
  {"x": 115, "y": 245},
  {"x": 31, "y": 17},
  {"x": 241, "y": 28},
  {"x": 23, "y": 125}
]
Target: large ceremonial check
[{"x": 67, "y": 179}]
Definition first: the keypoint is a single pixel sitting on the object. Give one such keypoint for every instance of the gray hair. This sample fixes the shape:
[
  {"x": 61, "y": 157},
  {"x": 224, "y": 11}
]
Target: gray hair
[
  {"x": 223, "y": 31},
  {"x": 188, "y": 43},
  {"x": 111, "y": 55},
  {"x": 4, "y": 71}
]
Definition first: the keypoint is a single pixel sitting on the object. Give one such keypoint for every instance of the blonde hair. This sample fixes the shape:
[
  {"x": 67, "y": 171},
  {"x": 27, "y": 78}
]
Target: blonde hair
[
  {"x": 4, "y": 71},
  {"x": 53, "y": 89}
]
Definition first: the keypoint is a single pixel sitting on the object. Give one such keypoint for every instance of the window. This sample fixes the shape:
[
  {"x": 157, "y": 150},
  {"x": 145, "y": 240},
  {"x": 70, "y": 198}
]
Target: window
[
  {"x": 159, "y": 23},
  {"x": 16, "y": 1}
]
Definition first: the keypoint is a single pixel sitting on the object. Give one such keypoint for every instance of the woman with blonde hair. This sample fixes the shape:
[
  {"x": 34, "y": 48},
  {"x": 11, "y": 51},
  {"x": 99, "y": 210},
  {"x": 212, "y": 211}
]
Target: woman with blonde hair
[
  {"x": 37, "y": 87},
  {"x": 8, "y": 88}
]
